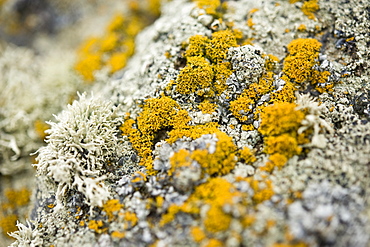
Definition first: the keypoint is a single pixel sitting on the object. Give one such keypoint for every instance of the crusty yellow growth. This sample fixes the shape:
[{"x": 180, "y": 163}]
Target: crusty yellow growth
[
  {"x": 130, "y": 219},
  {"x": 216, "y": 192},
  {"x": 244, "y": 105},
  {"x": 298, "y": 244},
  {"x": 247, "y": 156},
  {"x": 262, "y": 190},
  {"x": 280, "y": 118},
  {"x": 220, "y": 162},
  {"x": 298, "y": 65},
  {"x": 271, "y": 62},
  {"x": 286, "y": 94},
  {"x": 301, "y": 59},
  {"x": 8, "y": 223},
  {"x": 192, "y": 132},
  {"x": 197, "y": 234},
  {"x": 280, "y": 123},
  {"x": 111, "y": 207},
  {"x": 214, "y": 243},
  {"x": 217, "y": 220},
  {"x": 205, "y": 72},
  {"x": 117, "y": 234},
  {"x": 158, "y": 114},
  {"x": 197, "y": 46},
  {"x": 179, "y": 159},
  {"x": 207, "y": 107},
  {"x": 17, "y": 198},
  {"x": 217, "y": 47},
  {"x": 302, "y": 28},
  {"x": 196, "y": 76},
  {"x": 310, "y": 7},
  {"x": 40, "y": 127},
  {"x": 210, "y": 6},
  {"x": 283, "y": 144},
  {"x": 221, "y": 71},
  {"x": 118, "y": 42},
  {"x": 97, "y": 226}
]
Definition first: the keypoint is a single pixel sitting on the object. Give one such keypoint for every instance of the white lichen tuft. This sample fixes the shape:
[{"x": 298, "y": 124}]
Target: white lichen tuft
[
  {"x": 79, "y": 146},
  {"x": 26, "y": 236}
]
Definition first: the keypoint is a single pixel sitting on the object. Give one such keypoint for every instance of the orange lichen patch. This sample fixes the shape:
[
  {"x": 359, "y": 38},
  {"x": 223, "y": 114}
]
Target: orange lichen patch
[
  {"x": 40, "y": 127},
  {"x": 214, "y": 243},
  {"x": 207, "y": 107},
  {"x": 275, "y": 160},
  {"x": 196, "y": 75},
  {"x": 286, "y": 94},
  {"x": 244, "y": 107},
  {"x": 118, "y": 43},
  {"x": 158, "y": 114},
  {"x": 280, "y": 118},
  {"x": 262, "y": 190},
  {"x": 217, "y": 47},
  {"x": 8, "y": 223},
  {"x": 271, "y": 62},
  {"x": 252, "y": 11},
  {"x": 221, "y": 71},
  {"x": 197, "y": 46},
  {"x": 97, "y": 226},
  {"x": 284, "y": 144},
  {"x": 247, "y": 156},
  {"x": 247, "y": 127},
  {"x": 280, "y": 124},
  {"x": 297, "y": 244},
  {"x": 217, "y": 220},
  {"x": 303, "y": 54},
  {"x": 179, "y": 159},
  {"x": 192, "y": 132},
  {"x": 210, "y": 6},
  {"x": 117, "y": 234},
  {"x": 111, "y": 207},
  {"x": 250, "y": 23},
  {"x": 310, "y": 7},
  {"x": 248, "y": 220},
  {"x": 130, "y": 219},
  {"x": 17, "y": 198},
  {"x": 222, "y": 160},
  {"x": 302, "y": 28},
  {"x": 117, "y": 61},
  {"x": 197, "y": 233}
]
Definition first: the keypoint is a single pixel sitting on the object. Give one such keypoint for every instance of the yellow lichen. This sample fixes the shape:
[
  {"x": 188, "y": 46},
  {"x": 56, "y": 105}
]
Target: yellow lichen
[
  {"x": 111, "y": 207},
  {"x": 197, "y": 233},
  {"x": 217, "y": 47},
  {"x": 217, "y": 220},
  {"x": 310, "y": 7},
  {"x": 247, "y": 156},
  {"x": 197, "y": 46},
  {"x": 210, "y": 6},
  {"x": 207, "y": 107},
  {"x": 97, "y": 226},
  {"x": 280, "y": 118},
  {"x": 195, "y": 76},
  {"x": 40, "y": 127}
]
